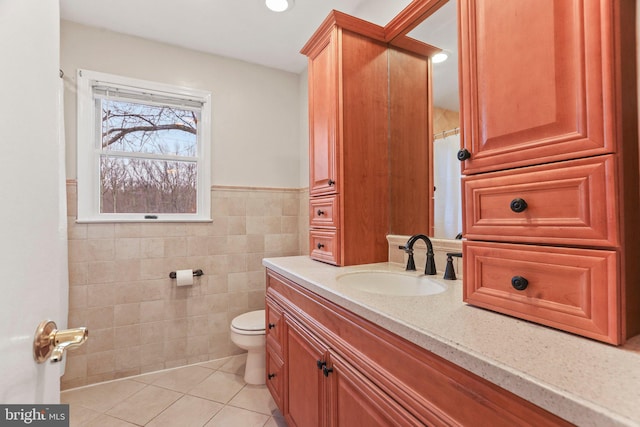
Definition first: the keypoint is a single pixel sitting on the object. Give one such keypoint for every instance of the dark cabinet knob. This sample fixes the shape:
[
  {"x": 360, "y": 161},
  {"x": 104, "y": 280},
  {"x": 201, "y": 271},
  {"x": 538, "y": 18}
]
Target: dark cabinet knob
[
  {"x": 272, "y": 325},
  {"x": 326, "y": 371},
  {"x": 271, "y": 376},
  {"x": 320, "y": 246},
  {"x": 320, "y": 212},
  {"x": 518, "y": 205},
  {"x": 464, "y": 154},
  {"x": 519, "y": 283},
  {"x": 332, "y": 182},
  {"x": 320, "y": 364}
]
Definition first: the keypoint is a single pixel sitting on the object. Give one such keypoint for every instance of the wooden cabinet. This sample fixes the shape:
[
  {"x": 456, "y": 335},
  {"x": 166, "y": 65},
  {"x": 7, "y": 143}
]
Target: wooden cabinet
[
  {"x": 369, "y": 134},
  {"x": 550, "y": 130},
  {"x": 348, "y": 125},
  {"x": 341, "y": 370}
]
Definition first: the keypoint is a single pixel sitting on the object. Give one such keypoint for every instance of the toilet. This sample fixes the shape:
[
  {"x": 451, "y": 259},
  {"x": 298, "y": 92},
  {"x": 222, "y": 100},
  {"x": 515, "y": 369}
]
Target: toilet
[{"x": 247, "y": 332}]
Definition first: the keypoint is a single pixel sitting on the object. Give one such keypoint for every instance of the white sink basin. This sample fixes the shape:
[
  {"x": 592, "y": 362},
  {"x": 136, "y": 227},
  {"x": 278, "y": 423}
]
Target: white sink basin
[{"x": 392, "y": 283}]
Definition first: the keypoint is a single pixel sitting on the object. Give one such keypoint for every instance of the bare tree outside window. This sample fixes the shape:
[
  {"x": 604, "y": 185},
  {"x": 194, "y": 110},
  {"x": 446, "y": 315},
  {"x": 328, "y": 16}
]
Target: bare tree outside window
[{"x": 148, "y": 162}]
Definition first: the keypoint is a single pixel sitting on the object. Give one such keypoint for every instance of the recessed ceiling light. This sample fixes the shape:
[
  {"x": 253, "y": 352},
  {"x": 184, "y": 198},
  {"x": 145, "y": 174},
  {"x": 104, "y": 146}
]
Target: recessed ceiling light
[
  {"x": 279, "y": 5},
  {"x": 439, "y": 57}
]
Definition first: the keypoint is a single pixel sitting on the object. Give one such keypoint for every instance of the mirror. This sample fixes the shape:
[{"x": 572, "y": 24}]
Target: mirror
[{"x": 439, "y": 30}]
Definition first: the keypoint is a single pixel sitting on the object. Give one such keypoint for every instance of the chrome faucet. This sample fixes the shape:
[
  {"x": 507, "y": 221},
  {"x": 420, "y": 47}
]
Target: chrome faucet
[{"x": 430, "y": 267}]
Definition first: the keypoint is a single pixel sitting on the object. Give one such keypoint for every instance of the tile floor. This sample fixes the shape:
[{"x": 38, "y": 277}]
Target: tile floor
[{"x": 210, "y": 394}]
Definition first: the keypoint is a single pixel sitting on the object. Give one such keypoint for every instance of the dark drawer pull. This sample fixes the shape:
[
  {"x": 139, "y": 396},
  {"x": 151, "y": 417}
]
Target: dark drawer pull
[
  {"x": 518, "y": 205},
  {"x": 271, "y": 376},
  {"x": 464, "y": 154},
  {"x": 331, "y": 182},
  {"x": 272, "y": 325},
  {"x": 320, "y": 246},
  {"x": 320, "y": 363},
  {"x": 326, "y": 371},
  {"x": 519, "y": 283},
  {"x": 320, "y": 212}
]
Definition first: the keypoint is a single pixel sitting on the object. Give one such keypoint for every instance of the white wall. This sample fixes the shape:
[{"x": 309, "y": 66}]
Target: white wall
[{"x": 256, "y": 115}]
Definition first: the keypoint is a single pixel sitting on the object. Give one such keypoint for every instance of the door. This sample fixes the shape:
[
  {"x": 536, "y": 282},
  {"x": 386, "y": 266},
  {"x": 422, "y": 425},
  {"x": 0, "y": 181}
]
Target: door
[
  {"x": 33, "y": 253},
  {"x": 535, "y": 81},
  {"x": 305, "y": 404},
  {"x": 355, "y": 401},
  {"x": 323, "y": 117}
]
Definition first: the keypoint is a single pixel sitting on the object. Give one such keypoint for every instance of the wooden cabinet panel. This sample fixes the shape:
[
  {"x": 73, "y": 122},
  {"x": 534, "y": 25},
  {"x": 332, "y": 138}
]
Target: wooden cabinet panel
[
  {"x": 568, "y": 203},
  {"x": 323, "y": 117},
  {"x": 324, "y": 245},
  {"x": 324, "y": 212},
  {"x": 275, "y": 376},
  {"x": 549, "y": 111},
  {"x": 305, "y": 405},
  {"x": 537, "y": 79},
  {"x": 571, "y": 289},
  {"x": 275, "y": 326},
  {"x": 428, "y": 387},
  {"x": 355, "y": 401}
]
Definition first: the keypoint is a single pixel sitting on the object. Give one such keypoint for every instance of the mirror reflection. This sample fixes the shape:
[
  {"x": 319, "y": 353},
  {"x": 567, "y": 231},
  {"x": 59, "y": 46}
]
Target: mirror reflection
[{"x": 440, "y": 30}]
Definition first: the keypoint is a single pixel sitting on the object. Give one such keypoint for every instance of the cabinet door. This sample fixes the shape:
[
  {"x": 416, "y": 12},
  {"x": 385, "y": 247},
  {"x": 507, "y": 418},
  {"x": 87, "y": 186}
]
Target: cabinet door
[
  {"x": 323, "y": 116},
  {"x": 355, "y": 401},
  {"x": 305, "y": 405},
  {"x": 536, "y": 81}
]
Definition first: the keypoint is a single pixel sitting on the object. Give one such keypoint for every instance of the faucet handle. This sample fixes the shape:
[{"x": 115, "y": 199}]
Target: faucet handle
[{"x": 449, "y": 272}]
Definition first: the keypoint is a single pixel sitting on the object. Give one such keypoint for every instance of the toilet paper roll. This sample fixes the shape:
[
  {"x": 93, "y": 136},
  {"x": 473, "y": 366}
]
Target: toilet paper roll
[{"x": 184, "y": 277}]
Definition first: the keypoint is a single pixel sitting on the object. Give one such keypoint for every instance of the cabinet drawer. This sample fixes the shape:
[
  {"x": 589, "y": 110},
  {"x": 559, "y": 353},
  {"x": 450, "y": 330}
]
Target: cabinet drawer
[
  {"x": 324, "y": 212},
  {"x": 324, "y": 246},
  {"x": 275, "y": 377},
  {"x": 568, "y": 203},
  {"x": 275, "y": 325},
  {"x": 570, "y": 289}
]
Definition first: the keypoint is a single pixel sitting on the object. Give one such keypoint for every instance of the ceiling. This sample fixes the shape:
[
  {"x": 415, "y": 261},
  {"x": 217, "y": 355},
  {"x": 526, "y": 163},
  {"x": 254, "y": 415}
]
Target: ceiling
[{"x": 240, "y": 29}]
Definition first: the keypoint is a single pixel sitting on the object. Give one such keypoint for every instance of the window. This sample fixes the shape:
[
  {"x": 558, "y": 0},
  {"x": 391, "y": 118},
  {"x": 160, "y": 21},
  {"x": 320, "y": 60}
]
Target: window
[{"x": 143, "y": 150}]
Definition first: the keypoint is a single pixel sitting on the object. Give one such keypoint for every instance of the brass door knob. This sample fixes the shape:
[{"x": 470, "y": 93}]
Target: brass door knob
[{"x": 50, "y": 342}]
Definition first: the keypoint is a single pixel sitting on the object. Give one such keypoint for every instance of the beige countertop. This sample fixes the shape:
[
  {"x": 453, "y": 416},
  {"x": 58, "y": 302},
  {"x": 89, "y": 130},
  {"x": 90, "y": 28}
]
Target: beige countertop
[{"x": 583, "y": 381}]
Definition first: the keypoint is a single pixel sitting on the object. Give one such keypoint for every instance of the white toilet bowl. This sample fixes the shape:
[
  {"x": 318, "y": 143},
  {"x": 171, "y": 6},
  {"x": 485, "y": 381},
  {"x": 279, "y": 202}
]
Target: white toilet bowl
[{"x": 247, "y": 332}]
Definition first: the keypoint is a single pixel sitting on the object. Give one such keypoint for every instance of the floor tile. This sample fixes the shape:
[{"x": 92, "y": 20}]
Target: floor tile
[
  {"x": 79, "y": 415},
  {"x": 235, "y": 365},
  {"x": 182, "y": 379},
  {"x": 219, "y": 386},
  {"x": 236, "y": 417},
  {"x": 214, "y": 364},
  {"x": 187, "y": 411},
  {"x": 102, "y": 396},
  {"x": 106, "y": 421},
  {"x": 158, "y": 399},
  {"x": 276, "y": 421},
  {"x": 255, "y": 398},
  {"x": 145, "y": 405}
]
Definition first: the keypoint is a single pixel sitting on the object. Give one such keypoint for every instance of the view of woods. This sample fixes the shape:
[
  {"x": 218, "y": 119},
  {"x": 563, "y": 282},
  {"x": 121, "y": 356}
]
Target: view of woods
[{"x": 148, "y": 155}]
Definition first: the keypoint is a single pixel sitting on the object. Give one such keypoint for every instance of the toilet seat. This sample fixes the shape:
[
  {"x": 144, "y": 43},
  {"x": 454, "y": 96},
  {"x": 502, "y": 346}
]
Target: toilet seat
[{"x": 251, "y": 323}]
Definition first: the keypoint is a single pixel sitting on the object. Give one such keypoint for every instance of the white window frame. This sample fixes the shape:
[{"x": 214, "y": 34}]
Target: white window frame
[{"x": 88, "y": 152}]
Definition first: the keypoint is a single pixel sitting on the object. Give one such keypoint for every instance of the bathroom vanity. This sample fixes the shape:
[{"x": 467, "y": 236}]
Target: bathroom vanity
[{"x": 338, "y": 355}]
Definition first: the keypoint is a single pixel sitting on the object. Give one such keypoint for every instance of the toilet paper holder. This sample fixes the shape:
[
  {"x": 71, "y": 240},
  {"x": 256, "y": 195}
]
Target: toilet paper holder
[{"x": 196, "y": 273}]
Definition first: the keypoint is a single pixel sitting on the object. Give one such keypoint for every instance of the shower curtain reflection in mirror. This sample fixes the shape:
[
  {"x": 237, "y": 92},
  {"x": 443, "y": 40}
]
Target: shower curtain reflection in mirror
[{"x": 447, "y": 197}]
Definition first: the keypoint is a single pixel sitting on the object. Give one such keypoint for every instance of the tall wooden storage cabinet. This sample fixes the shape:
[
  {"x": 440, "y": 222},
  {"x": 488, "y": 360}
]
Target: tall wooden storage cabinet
[
  {"x": 369, "y": 134},
  {"x": 551, "y": 157},
  {"x": 348, "y": 120}
]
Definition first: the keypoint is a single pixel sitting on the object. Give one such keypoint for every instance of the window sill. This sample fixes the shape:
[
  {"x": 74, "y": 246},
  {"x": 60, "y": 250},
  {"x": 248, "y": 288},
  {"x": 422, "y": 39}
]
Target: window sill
[{"x": 140, "y": 220}]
